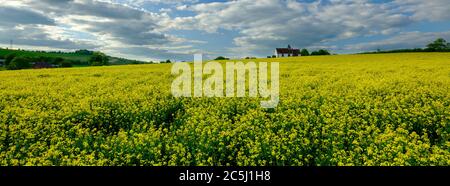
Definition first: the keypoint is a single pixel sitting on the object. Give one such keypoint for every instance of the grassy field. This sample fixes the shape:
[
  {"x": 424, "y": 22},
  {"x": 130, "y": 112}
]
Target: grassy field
[{"x": 384, "y": 109}]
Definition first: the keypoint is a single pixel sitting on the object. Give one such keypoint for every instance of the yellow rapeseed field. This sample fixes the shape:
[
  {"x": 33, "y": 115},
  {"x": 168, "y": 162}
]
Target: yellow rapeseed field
[{"x": 383, "y": 109}]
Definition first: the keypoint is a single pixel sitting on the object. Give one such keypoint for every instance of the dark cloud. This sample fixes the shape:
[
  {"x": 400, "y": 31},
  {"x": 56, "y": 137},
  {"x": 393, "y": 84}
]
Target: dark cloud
[
  {"x": 24, "y": 27},
  {"x": 118, "y": 24},
  {"x": 36, "y": 36},
  {"x": 275, "y": 23},
  {"x": 257, "y": 28},
  {"x": 133, "y": 32},
  {"x": 124, "y": 24},
  {"x": 87, "y": 7},
  {"x": 11, "y": 16}
]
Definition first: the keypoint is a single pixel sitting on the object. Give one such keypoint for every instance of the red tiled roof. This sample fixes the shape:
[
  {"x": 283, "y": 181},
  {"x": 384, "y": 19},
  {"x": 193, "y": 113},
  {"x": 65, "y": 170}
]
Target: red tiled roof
[{"x": 288, "y": 50}]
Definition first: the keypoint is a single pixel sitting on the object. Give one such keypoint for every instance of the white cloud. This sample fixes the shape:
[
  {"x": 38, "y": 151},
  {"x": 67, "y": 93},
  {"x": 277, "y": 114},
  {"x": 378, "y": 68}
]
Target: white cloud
[
  {"x": 140, "y": 3},
  {"x": 272, "y": 23},
  {"x": 431, "y": 10},
  {"x": 38, "y": 35},
  {"x": 79, "y": 24},
  {"x": 117, "y": 26}
]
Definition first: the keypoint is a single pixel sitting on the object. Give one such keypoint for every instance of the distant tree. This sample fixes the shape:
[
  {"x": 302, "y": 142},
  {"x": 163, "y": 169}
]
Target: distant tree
[
  {"x": 221, "y": 58},
  {"x": 98, "y": 59},
  {"x": 438, "y": 45},
  {"x": 274, "y": 56},
  {"x": 19, "y": 63},
  {"x": 78, "y": 62},
  {"x": 57, "y": 61},
  {"x": 134, "y": 62},
  {"x": 304, "y": 52},
  {"x": 166, "y": 61},
  {"x": 269, "y": 56},
  {"x": 324, "y": 52},
  {"x": 43, "y": 59},
  {"x": 84, "y": 52},
  {"x": 9, "y": 58},
  {"x": 66, "y": 64},
  {"x": 321, "y": 52}
]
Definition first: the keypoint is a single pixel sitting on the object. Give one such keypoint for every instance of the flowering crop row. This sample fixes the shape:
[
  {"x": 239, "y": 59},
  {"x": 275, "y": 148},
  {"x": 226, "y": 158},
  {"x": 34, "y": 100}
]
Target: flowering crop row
[{"x": 391, "y": 109}]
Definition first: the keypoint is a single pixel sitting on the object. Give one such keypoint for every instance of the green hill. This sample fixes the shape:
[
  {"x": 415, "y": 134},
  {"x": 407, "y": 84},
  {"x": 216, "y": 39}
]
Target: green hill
[
  {"x": 24, "y": 53},
  {"x": 77, "y": 58}
]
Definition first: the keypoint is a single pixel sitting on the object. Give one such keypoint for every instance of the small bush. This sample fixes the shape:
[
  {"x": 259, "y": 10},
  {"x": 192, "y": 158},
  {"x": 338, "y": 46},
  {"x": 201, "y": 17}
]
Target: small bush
[
  {"x": 19, "y": 63},
  {"x": 66, "y": 64}
]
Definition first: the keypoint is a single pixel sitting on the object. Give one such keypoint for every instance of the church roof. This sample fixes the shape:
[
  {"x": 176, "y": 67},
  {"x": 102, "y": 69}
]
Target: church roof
[{"x": 288, "y": 50}]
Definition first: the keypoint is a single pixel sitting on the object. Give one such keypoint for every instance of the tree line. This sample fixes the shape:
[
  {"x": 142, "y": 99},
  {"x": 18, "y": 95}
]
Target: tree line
[
  {"x": 439, "y": 45},
  {"x": 14, "y": 61}
]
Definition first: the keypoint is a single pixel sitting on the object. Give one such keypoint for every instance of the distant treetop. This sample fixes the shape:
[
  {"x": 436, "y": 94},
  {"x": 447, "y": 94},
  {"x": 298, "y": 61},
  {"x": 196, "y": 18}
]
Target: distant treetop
[
  {"x": 84, "y": 52},
  {"x": 221, "y": 58},
  {"x": 438, "y": 45}
]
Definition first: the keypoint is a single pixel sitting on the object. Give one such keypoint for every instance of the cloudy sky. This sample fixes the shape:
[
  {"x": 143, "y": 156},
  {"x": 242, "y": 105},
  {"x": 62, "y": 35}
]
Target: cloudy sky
[{"x": 175, "y": 29}]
